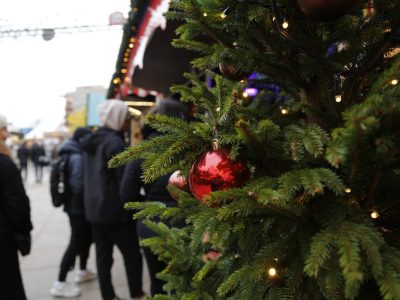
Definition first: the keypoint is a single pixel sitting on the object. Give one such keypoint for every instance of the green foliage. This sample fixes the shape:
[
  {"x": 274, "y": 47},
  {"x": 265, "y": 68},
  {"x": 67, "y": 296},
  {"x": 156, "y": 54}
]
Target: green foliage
[{"x": 317, "y": 172}]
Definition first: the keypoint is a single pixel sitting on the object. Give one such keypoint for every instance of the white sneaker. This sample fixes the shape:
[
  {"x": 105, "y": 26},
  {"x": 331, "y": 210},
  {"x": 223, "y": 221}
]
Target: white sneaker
[
  {"x": 82, "y": 276},
  {"x": 65, "y": 290}
]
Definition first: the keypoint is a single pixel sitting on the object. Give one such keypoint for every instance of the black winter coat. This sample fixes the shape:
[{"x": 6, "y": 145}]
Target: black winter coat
[
  {"x": 74, "y": 205},
  {"x": 14, "y": 203},
  {"x": 132, "y": 184},
  {"x": 101, "y": 194}
]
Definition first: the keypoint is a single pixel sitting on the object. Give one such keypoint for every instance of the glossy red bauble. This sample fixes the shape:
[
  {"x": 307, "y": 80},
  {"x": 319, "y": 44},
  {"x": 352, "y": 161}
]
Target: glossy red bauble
[
  {"x": 231, "y": 72},
  {"x": 178, "y": 180},
  {"x": 326, "y": 10},
  {"x": 216, "y": 171}
]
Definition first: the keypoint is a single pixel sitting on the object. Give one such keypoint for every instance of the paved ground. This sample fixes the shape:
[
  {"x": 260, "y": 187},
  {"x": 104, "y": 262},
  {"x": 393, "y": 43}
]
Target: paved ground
[{"x": 49, "y": 239}]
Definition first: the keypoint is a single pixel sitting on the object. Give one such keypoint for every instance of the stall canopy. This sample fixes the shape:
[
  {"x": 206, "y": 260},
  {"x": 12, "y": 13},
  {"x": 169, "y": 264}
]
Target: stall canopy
[
  {"x": 147, "y": 60},
  {"x": 163, "y": 64}
]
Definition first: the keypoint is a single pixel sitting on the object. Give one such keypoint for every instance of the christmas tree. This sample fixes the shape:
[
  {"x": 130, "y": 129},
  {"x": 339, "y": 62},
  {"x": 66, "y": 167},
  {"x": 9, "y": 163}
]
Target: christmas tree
[{"x": 293, "y": 162}]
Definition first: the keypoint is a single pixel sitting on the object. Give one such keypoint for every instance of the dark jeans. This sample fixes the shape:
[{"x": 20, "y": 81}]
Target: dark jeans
[
  {"x": 125, "y": 237},
  {"x": 155, "y": 266},
  {"x": 79, "y": 244},
  {"x": 11, "y": 286}
]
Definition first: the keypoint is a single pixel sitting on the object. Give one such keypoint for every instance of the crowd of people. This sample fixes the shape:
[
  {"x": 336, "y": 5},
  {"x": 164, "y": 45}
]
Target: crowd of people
[{"x": 94, "y": 207}]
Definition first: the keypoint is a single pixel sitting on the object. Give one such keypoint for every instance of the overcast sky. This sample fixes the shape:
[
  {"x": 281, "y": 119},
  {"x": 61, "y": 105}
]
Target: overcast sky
[{"x": 35, "y": 74}]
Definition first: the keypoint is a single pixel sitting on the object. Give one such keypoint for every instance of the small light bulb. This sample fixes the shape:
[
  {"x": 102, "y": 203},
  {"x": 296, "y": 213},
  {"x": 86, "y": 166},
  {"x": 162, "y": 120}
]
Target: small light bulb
[
  {"x": 374, "y": 214},
  {"x": 273, "y": 19},
  {"x": 130, "y": 45},
  {"x": 205, "y": 14},
  {"x": 245, "y": 94},
  {"x": 347, "y": 190},
  {"x": 387, "y": 30},
  {"x": 272, "y": 272},
  {"x": 394, "y": 82},
  {"x": 116, "y": 81},
  {"x": 123, "y": 71},
  {"x": 338, "y": 98},
  {"x": 132, "y": 40},
  {"x": 218, "y": 109},
  {"x": 242, "y": 81},
  {"x": 285, "y": 24},
  {"x": 284, "y": 111},
  {"x": 222, "y": 15}
]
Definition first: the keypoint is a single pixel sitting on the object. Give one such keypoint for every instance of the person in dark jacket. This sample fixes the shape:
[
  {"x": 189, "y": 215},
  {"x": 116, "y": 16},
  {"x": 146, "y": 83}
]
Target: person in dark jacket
[
  {"x": 37, "y": 153},
  {"x": 23, "y": 156},
  {"x": 81, "y": 237},
  {"x": 15, "y": 222},
  {"x": 131, "y": 186},
  {"x": 111, "y": 224}
]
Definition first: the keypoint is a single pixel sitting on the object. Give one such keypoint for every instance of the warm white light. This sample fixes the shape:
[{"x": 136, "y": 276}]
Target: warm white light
[
  {"x": 222, "y": 15},
  {"x": 284, "y": 111},
  {"x": 374, "y": 214},
  {"x": 245, "y": 94},
  {"x": 285, "y": 24},
  {"x": 134, "y": 111},
  {"x": 347, "y": 190},
  {"x": 338, "y": 98},
  {"x": 117, "y": 81},
  {"x": 272, "y": 272},
  {"x": 218, "y": 109},
  {"x": 130, "y": 45},
  {"x": 205, "y": 14},
  {"x": 273, "y": 18},
  {"x": 394, "y": 82}
]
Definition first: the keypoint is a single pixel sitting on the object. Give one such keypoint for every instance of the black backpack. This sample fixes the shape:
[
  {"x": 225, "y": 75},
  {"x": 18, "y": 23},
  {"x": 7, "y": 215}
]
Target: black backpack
[{"x": 59, "y": 186}]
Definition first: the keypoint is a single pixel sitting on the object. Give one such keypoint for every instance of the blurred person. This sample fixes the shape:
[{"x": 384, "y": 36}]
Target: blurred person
[
  {"x": 23, "y": 154},
  {"x": 130, "y": 190},
  {"x": 37, "y": 153},
  {"x": 132, "y": 185},
  {"x": 81, "y": 238},
  {"x": 15, "y": 222},
  {"x": 111, "y": 224}
]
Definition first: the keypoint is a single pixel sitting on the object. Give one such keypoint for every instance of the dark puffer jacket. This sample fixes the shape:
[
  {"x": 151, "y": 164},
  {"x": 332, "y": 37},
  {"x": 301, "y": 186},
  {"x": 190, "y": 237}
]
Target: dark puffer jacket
[
  {"x": 74, "y": 206},
  {"x": 14, "y": 203},
  {"x": 101, "y": 193}
]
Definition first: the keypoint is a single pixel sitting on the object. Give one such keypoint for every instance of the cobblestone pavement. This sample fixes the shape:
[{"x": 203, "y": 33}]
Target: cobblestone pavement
[{"x": 49, "y": 239}]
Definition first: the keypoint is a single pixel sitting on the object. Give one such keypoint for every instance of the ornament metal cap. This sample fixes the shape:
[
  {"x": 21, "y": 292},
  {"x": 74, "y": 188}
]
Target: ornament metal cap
[{"x": 215, "y": 144}]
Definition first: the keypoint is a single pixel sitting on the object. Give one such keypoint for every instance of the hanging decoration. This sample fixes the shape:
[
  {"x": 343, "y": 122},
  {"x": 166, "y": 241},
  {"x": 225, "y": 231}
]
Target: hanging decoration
[
  {"x": 216, "y": 171},
  {"x": 231, "y": 72},
  {"x": 325, "y": 10},
  {"x": 178, "y": 180}
]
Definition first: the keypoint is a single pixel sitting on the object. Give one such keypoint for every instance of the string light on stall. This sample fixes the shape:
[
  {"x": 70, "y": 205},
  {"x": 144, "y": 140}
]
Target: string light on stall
[
  {"x": 338, "y": 98},
  {"x": 347, "y": 190},
  {"x": 394, "y": 82},
  {"x": 284, "y": 111},
  {"x": 285, "y": 24}
]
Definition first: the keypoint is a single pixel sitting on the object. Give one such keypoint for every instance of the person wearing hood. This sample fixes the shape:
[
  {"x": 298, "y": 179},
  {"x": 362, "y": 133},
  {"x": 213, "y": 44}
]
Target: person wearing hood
[
  {"x": 111, "y": 223},
  {"x": 15, "y": 222},
  {"x": 81, "y": 237}
]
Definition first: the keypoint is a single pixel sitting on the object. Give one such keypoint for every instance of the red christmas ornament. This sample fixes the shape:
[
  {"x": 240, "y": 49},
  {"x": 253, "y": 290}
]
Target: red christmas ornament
[
  {"x": 325, "y": 10},
  {"x": 216, "y": 171},
  {"x": 231, "y": 72},
  {"x": 178, "y": 180}
]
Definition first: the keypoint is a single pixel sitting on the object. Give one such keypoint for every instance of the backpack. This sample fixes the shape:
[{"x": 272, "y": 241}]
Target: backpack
[{"x": 59, "y": 187}]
